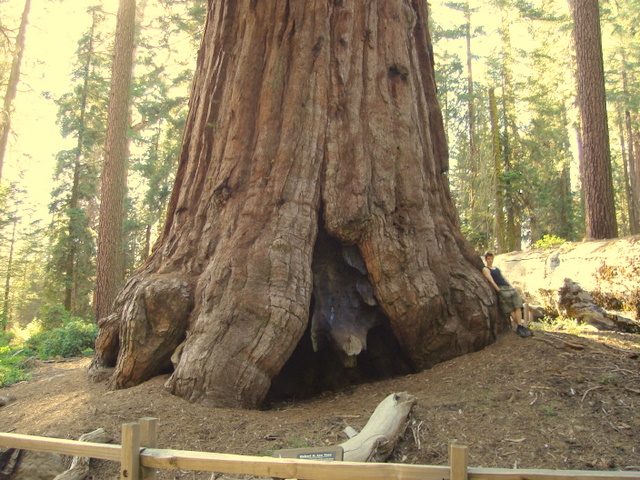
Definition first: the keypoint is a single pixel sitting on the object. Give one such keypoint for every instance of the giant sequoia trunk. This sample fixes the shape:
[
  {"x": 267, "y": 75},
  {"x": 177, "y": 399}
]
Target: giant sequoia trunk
[{"x": 310, "y": 213}]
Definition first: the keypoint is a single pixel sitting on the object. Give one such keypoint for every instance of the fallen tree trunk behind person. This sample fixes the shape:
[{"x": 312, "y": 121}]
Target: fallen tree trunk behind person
[
  {"x": 607, "y": 270},
  {"x": 575, "y": 302}
]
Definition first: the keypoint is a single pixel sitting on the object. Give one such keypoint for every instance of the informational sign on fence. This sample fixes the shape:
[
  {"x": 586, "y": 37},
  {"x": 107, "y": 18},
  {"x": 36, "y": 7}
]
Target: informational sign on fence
[{"x": 328, "y": 454}]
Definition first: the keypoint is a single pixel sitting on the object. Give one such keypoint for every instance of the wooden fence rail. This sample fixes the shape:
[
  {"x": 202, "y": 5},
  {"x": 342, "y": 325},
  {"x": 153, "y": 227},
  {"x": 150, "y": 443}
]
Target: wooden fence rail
[{"x": 139, "y": 458}]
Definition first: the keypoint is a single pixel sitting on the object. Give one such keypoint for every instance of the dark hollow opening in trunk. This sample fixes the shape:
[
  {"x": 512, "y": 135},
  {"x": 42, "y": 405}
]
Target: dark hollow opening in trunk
[{"x": 348, "y": 339}]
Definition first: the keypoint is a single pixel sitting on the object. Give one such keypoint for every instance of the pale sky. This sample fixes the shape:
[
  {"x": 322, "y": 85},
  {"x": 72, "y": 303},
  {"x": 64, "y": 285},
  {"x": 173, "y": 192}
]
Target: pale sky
[
  {"x": 55, "y": 26},
  {"x": 51, "y": 40}
]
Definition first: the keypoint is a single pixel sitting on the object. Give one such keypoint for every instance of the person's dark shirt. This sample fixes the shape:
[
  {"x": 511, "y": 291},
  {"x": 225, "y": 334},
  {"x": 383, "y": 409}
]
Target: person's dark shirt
[{"x": 498, "y": 278}]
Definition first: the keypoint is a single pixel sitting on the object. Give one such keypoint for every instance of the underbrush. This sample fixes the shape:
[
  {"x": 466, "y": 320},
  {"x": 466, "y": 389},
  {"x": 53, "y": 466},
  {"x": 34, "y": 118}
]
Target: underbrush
[
  {"x": 74, "y": 338},
  {"x": 12, "y": 362},
  {"x": 562, "y": 324},
  {"x": 71, "y": 337},
  {"x": 548, "y": 242}
]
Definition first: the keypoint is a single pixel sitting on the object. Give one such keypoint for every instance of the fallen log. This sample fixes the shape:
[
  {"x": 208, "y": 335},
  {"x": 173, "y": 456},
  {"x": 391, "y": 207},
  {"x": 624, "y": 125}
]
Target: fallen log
[
  {"x": 9, "y": 462},
  {"x": 79, "y": 469},
  {"x": 575, "y": 302},
  {"x": 606, "y": 269},
  {"x": 379, "y": 436}
]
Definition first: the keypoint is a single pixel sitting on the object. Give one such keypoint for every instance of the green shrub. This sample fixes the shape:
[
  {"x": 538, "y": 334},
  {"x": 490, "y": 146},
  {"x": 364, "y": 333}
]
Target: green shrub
[
  {"x": 12, "y": 365},
  {"x": 70, "y": 340},
  {"x": 5, "y": 338},
  {"x": 549, "y": 241},
  {"x": 53, "y": 316}
]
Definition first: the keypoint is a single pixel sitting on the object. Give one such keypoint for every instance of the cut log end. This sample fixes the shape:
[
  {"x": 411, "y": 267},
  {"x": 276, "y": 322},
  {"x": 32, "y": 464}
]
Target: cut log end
[{"x": 380, "y": 435}]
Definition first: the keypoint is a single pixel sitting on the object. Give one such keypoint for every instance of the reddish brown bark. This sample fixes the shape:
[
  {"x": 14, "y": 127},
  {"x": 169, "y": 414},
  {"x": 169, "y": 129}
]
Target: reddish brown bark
[
  {"x": 595, "y": 161},
  {"x": 313, "y": 126},
  {"x": 110, "y": 261}
]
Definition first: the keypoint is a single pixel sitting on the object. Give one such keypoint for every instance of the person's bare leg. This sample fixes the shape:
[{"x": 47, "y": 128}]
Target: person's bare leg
[
  {"x": 517, "y": 313},
  {"x": 516, "y": 318}
]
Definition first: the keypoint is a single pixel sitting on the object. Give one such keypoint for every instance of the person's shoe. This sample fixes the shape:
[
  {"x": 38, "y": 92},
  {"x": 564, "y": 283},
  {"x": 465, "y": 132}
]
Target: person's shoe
[{"x": 523, "y": 331}]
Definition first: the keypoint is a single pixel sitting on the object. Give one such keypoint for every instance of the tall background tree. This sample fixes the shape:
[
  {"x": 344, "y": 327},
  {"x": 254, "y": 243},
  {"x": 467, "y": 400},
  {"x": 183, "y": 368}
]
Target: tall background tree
[
  {"x": 12, "y": 83},
  {"x": 110, "y": 261},
  {"x": 54, "y": 268},
  {"x": 537, "y": 183},
  {"x": 81, "y": 116},
  {"x": 622, "y": 57},
  {"x": 595, "y": 155}
]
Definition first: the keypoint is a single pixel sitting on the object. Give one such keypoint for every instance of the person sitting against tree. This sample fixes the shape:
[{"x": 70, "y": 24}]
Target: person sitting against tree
[{"x": 509, "y": 299}]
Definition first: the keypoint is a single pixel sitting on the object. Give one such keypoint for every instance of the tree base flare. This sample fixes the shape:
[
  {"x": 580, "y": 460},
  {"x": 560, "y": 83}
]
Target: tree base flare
[{"x": 156, "y": 311}]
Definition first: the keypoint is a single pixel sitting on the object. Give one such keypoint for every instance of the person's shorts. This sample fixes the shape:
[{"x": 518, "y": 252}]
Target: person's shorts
[{"x": 509, "y": 300}]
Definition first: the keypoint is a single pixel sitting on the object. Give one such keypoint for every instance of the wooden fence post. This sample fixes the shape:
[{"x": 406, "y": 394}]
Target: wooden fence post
[
  {"x": 458, "y": 460},
  {"x": 130, "y": 455},
  {"x": 148, "y": 438}
]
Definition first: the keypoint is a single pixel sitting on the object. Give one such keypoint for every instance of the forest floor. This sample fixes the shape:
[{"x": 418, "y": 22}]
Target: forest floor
[{"x": 558, "y": 400}]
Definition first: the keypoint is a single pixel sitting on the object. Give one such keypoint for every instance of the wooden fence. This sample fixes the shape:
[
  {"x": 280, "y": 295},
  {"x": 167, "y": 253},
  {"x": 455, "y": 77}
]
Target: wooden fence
[{"x": 139, "y": 458}]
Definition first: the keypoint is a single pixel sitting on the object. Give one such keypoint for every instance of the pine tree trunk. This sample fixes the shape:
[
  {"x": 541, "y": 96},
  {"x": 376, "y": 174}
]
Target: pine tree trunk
[
  {"x": 110, "y": 261},
  {"x": 71, "y": 254},
  {"x": 72, "y": 249},
  {"x": 513, "y": 230},
  {"x": 631, "y": 183},
  {"x": 497, "y": 173},
  {"x": 631, "y": 208},
  {"x": 566, "y": 203},
  {"x": 566, "y": 220},
  {"x": 472, "y": 160},
  {"x": 595, "y": 166},
  {"x": 636, "y": 163},
  {"x": 7, "y": 284},
  {"x": 147, "y": 243},
  {"x": 634, "y": 170},
  {"x": 12, "y": 86},
  {"x": 309, "y": 205}
]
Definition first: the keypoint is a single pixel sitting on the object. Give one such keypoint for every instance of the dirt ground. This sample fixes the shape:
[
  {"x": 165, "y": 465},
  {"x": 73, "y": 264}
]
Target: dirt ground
[{"x": 556, "y": 400}]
